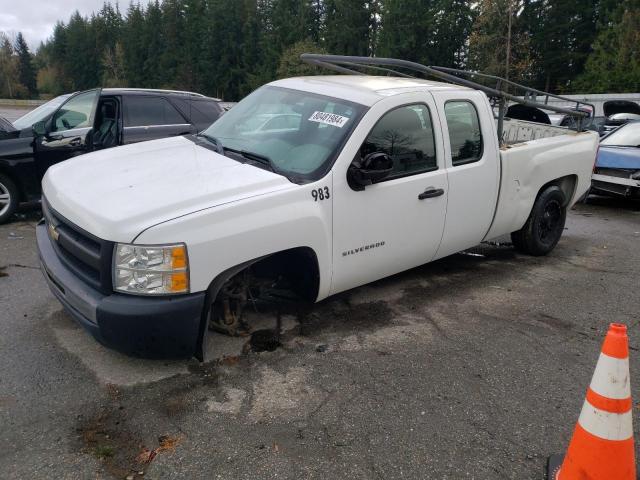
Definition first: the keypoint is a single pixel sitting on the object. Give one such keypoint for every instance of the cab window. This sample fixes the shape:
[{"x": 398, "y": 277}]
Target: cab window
[
  {"x": 464, "y": 132},
  {"x": 76, "y": 113},
  {"x": 406, "y": 135}
]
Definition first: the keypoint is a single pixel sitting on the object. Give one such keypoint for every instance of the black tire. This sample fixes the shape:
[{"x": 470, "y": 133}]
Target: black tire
[
  {"x": 8, "y": 198},
  {"x": 545, "y": 224}
]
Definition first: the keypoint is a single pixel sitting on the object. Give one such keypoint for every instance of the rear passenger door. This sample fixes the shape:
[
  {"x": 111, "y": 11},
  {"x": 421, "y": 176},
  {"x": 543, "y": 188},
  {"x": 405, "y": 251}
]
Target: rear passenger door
[
  {"x": 149, "y": 117},
  {"x": 472, "y": 165}
]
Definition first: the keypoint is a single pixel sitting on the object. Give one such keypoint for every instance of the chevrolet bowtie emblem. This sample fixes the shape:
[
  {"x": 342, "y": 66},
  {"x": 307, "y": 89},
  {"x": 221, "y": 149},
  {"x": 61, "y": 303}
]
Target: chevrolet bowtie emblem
[{"x": 53, "y": 232}]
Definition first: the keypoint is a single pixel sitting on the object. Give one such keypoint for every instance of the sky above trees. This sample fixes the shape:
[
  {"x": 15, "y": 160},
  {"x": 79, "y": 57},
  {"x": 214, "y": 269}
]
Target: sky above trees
[{"x": 37, "y": 18}]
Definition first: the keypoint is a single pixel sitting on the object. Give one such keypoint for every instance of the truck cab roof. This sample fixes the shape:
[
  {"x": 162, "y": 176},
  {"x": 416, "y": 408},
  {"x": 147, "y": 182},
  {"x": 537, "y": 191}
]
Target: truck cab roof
[{"x": 363, "y": 89}]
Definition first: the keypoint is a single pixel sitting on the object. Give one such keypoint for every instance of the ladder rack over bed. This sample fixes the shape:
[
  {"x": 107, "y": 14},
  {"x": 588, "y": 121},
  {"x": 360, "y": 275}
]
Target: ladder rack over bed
[{"x": 499, "y": 90}]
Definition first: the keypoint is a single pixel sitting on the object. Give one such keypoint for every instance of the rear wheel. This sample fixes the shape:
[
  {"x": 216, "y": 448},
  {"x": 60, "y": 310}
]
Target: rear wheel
[
  {"x": 545, "y": 224},
  {"x": 8, "y": 198}
]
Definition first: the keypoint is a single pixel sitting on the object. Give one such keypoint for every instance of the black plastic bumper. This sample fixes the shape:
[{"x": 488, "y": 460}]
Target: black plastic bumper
[{"x": 150, "y": 327}]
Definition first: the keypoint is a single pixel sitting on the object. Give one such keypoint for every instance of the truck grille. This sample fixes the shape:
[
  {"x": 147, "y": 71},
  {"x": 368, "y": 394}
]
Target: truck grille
[{"x": 87, "y": 256}]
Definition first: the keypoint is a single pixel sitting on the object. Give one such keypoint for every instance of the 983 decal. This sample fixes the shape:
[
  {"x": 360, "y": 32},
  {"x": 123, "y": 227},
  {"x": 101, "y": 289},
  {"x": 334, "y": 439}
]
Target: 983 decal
[{"x": 321, "y": 193}]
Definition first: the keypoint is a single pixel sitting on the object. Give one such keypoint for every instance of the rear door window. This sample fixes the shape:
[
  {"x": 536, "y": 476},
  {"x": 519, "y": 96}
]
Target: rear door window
[
  {"x": 464, "y": 132},
  {"x": 148, "y": 110},
  {"x": 204, "y": 112}
]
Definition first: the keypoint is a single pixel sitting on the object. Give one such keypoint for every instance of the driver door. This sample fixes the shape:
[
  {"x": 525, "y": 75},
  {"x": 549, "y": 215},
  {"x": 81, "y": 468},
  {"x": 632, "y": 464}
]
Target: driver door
[
  {"x": 397, "y": 222},
  {"x": 68, "y": 132}
]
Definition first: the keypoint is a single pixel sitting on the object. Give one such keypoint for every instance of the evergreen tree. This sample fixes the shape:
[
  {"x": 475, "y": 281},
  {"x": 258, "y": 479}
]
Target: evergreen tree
[
  {"x": 134, "y": 46},
  {"x": 155, "y": 41},
  {"x": 432, "y": 32},
  {"x": 26, "y": 70},
  {"x": 614, "y": 65},
  {"x": 226, "y": 48},
  {"x": 80, "y": 63},
  {"x": 348, "y": 27},
  {"x": 562, "y": 32},
  {"x": 9, "y": 82}
]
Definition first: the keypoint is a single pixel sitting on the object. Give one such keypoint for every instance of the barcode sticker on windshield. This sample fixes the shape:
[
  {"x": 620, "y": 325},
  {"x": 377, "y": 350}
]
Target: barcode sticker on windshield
[{"x": 329, "y": 119}]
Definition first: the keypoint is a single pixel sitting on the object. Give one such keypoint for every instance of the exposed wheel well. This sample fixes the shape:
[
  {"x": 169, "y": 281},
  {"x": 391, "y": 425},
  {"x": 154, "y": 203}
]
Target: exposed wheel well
[
  {"x": 567, "y": 184},
  {"x": 298, "y": 265}
]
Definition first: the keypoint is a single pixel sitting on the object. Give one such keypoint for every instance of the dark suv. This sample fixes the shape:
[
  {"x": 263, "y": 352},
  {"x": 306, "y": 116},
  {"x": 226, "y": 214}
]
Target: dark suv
[{"x": 82, "y": 122}]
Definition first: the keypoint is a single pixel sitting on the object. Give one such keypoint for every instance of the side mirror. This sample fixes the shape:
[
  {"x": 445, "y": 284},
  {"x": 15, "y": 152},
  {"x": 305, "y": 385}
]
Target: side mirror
[
  {"x": 39, "y": 128},
  {"x": 373, "y": 168}
]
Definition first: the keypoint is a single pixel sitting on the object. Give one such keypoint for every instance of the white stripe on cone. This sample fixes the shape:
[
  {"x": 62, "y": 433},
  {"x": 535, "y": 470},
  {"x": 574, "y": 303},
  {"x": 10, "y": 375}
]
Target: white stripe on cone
[
  {"x": 611, "y": 378},
  {"x": 606, "y": 425}
]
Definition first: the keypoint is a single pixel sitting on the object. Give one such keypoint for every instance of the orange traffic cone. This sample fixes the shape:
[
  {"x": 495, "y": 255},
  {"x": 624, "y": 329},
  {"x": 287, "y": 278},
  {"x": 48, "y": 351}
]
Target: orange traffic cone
[{"x": 602, "y": 444}]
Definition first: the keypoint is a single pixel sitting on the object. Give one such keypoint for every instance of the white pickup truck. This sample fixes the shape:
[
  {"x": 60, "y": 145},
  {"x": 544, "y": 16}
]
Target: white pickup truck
[{"x": 150, "y": 244}]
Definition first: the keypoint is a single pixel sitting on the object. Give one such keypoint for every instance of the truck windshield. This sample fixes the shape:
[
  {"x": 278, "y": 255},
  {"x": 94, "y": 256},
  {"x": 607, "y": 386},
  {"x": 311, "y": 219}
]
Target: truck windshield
[
  {"x": 626, "y": 136},
  {"x": 301, "y": 133},
  {"x": 40, "y": 113}
]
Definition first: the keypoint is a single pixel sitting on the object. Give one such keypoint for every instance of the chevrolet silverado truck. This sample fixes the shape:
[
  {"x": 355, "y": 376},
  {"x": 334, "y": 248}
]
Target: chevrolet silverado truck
[{"x": 150, "y": 246}]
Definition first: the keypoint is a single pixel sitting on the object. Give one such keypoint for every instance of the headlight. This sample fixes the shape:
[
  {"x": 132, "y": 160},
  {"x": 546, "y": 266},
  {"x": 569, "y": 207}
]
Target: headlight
[{"x": 151, "y": 269}]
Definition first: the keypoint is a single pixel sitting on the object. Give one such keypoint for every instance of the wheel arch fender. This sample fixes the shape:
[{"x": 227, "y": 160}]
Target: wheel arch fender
[{"x": 217, "y": 283}]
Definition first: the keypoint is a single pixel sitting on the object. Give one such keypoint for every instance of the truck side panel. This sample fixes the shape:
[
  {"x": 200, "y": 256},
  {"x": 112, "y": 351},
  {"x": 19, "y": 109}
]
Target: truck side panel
[
  {"x": 527, "y": 167},
  {"x": 249, "y": 229}
]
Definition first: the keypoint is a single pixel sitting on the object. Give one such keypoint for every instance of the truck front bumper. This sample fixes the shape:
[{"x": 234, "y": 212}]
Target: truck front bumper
[{"x": 149, "y": 327}]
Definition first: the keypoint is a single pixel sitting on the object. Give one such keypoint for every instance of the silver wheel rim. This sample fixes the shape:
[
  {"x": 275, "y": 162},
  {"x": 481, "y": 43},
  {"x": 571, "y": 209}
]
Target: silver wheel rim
[{"x": 5, "y": 199}]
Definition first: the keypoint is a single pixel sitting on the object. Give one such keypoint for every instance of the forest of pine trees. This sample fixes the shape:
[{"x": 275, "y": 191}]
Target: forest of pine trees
[{"x": 226, "y": 48}]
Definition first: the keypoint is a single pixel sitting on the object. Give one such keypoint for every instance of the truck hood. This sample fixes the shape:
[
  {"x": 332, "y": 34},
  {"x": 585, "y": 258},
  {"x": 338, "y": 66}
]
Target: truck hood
[{"x": 115, "y": 194}]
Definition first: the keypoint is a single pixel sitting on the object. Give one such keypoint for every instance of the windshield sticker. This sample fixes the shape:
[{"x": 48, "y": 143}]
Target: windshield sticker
[{"x": 329, "y": 119}]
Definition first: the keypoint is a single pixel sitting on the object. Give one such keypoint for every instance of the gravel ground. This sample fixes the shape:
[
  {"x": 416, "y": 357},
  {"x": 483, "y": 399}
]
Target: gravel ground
[{"x": 473, "y": 367}]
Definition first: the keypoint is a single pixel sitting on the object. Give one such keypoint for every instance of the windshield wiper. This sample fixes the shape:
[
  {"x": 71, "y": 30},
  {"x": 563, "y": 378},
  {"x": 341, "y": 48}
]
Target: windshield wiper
[
  {"x": 214, "y": 140},
  {"x": 263, "y": 159}
]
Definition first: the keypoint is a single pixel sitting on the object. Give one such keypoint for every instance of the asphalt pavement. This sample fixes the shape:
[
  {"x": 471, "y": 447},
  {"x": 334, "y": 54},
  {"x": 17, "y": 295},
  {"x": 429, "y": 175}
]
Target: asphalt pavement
[
  {"x": 13, "y": 113},
  {"x": 473, "y": 367}
]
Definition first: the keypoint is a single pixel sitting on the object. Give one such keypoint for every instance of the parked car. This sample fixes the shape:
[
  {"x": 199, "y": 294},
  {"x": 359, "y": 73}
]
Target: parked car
[
  {"x": 618, "y": 112},
  {"x": 617, "y": 169},
  {"x": 74, "y": 124},
  {"x": 148, "y": 245},
  {"x": 592, "y": 123}
]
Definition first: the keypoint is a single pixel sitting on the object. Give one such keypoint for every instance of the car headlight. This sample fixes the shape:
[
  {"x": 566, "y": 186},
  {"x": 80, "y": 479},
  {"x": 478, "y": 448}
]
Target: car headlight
[{"x": 151, "y": 269}]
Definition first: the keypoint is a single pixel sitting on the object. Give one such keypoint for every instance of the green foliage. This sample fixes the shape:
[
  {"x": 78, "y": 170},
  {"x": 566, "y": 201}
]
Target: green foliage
[
  {"x": 433, "y": 32},
  {"x": 562, "y": 32},
  {"x": 290, "y": 64},
  {"x": 8, "y": 68},
  {"x": 348, "y": 27},
  {"x": 26, "y": 70},
  {"x": 226, "y": 48},
  {"x": 614, "y": 65},
  {"x": 489, "y": 40}
]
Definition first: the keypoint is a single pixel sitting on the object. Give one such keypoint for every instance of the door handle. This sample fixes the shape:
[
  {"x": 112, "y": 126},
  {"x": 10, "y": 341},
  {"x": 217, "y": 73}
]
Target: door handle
[
  {"x": 75, "y": 142},
  {"x": 431, "y": 193}
]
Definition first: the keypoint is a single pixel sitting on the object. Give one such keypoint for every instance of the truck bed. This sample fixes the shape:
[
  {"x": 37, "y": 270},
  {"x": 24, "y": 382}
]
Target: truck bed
[
  {"x": 562, "y": 156},
  {"x": 518, "y": 131}
]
